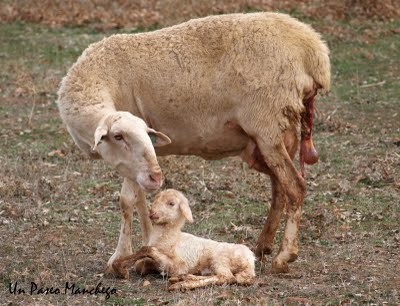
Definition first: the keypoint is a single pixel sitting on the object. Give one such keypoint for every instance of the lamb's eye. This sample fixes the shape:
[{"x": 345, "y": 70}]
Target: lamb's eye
[
  {"x": 171, "y": 203},
  {"x": 118, "y": 137}
]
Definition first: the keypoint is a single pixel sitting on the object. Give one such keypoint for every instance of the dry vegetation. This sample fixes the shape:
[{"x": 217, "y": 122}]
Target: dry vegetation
[
  {"x": 104, "y": 14},
  {"x": 59, "y": 215}
]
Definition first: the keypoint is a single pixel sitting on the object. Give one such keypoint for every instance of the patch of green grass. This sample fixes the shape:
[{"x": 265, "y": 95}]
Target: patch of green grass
[
  {"x": 366, "y": 74},
  {"x": 37, "y": 45},
  {"x": 126, "y": 302}
]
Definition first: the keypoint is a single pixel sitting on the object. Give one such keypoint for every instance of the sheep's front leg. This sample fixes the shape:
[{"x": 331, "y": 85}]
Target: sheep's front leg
[
  {"x": 131, "y": 195},
  {"x": 283, "y": 170},
  {"x": 143, "y": 213}
]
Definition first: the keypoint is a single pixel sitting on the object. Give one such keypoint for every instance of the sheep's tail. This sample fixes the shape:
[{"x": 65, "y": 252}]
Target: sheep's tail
[{"x": 319, "y": 69}]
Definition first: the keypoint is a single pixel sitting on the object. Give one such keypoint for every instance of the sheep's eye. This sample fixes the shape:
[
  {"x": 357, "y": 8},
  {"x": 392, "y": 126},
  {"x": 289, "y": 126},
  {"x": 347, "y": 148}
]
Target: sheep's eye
[
  {"x": 171, "y": 203},
  {"x": 118, "y": 137}
]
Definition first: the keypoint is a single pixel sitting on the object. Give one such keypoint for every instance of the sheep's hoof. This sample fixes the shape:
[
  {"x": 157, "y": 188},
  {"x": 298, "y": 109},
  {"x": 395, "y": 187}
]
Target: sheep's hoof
[
  {"x": 261, "y": 251},
  {"x": 292, "y": 257},
  {"x": 279, "y": 266}
]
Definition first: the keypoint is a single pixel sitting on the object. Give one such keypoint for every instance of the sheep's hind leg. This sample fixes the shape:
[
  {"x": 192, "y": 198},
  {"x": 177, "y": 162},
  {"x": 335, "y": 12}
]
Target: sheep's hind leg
[
  {"x": 131, "y": 195},
  {"x": 265, "y": 241},
  {"x": 283, "y": 170}
]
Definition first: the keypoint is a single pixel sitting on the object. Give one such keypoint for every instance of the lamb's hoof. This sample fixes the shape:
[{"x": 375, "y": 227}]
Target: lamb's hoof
[
  {"x": 177, "y": 287},
  {"x": 109, "y": 271},
  {"x": 176, "y": 279},
  {"x": 124, "y": 274},
  {"x": 261, "y": 251},
  {"x": 116, "y": 270},
  {"x": 279, "y": 266},
  {"x": 145, "y": 266}
]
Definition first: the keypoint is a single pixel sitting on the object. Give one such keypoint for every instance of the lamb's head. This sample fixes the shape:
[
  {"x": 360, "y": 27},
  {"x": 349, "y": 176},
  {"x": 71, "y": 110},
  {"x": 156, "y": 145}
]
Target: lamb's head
[
  {"x": 127, "y": 143},
  {"x": 170, "y": 207}
]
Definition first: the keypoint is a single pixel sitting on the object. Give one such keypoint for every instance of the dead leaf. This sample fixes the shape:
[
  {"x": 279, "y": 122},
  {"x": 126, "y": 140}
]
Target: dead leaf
[
  {"x": 224, "y": 295},
  {"x": 58, "y": 153}
]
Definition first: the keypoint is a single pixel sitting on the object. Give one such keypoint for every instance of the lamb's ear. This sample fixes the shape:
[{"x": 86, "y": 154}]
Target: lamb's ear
[
  {"x": 157, "y": 138},
  {"x": 185, "y": 208},
  {"x": 100, "y": 133}
]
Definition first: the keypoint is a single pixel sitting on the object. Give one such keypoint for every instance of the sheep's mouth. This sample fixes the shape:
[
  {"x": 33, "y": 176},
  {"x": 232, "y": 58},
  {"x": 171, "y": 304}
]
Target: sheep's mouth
[
  {"x": 156, "y": 220},
  {"x": 149, "y": 187}
]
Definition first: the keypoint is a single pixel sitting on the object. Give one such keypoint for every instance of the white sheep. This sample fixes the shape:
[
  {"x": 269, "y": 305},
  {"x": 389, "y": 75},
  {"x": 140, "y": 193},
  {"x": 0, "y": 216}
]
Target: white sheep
[
  {"x": 184, "y": 257},
  {"x": 228, "y": 85}
]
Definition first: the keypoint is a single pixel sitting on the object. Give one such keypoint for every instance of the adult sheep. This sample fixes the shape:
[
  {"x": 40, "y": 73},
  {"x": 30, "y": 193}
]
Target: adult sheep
[{"x": 229, "y": 85}]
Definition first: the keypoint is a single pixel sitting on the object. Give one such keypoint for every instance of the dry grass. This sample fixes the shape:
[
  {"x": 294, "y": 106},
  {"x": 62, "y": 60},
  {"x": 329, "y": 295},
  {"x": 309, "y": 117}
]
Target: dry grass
[{"x": 59, "y": 219}]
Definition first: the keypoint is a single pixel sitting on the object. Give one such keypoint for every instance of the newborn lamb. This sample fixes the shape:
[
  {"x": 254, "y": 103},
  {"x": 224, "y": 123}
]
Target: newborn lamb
[{"x": 184, "y": 257}]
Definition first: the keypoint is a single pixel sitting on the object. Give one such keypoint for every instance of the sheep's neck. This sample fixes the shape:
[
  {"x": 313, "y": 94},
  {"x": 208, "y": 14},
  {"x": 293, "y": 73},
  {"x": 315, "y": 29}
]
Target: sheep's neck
[{"x": 165, "y": 236}]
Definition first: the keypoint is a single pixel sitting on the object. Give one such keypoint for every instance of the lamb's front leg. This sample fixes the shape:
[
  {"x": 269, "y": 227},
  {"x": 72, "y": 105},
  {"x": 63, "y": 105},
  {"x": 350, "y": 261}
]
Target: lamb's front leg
[
  {"x": 163, "y": 262},
  {"x": 121, "y": 265},
  {"x": 168, "y": 262},
  {"x": 131, "y": 196}
]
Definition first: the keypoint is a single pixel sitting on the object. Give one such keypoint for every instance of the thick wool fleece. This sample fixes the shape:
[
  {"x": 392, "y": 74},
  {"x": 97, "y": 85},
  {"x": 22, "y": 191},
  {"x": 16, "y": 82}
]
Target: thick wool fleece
[{"x": 196, "y": 80}]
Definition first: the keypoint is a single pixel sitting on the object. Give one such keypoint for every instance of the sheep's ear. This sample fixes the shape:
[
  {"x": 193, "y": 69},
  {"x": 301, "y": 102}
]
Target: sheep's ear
[
  {"x": 157, "y": 138},
  {"x": 100, "y": 133},
  {"x": 185, "y": 208}
]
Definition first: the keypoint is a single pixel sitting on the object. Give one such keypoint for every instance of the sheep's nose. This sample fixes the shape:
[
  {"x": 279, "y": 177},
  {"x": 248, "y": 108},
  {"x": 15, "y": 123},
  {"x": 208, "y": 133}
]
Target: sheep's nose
[
  {"x": 153, "y": 215},
  {"x": 156, "y": 177}
]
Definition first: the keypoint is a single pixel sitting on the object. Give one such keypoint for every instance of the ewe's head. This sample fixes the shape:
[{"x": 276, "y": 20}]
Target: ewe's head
[
  {"x": 170, "y": 207},
  {"x": 124, "y": 141}
]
